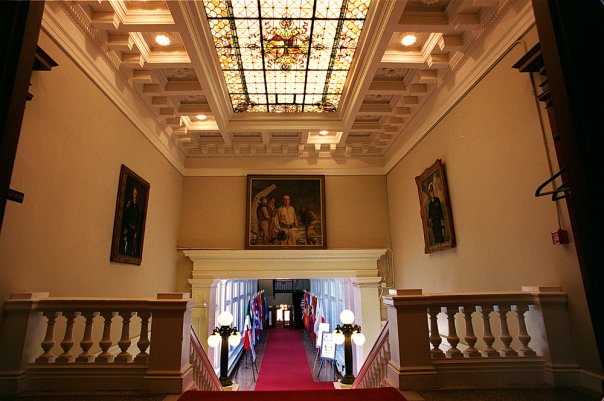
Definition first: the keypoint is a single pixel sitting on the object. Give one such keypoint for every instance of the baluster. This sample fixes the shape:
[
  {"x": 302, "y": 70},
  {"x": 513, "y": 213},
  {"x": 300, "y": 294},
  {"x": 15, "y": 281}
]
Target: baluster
[
  {"x": 488, "y": 337},
  {"x": 105, "y": 343},
  {"x": 505, "y": 337},
  {"x": 47, "y": 356},
  {"x": 523, "y": 336},
  {"x": 67, "y": 343},
  {"x": 470, "y": 337},
  {"x": 435, "y": 339},
  {"x": 143, "y": 342},
  {"x": 124, "y": 342},
  {"x": 452, "y": 338},
  {"x": 86, "y": 343}
]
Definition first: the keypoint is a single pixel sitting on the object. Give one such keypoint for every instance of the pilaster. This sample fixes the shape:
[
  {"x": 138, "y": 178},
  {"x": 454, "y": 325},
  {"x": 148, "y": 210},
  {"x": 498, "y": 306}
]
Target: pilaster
[
  {"x": 367, "y": 314},
  {"x": 202, "y": 291}
]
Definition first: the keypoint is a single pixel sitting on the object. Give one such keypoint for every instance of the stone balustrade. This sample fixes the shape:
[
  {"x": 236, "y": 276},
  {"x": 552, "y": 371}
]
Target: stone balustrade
[
  {"x": 94, "y": 344},
  {"x": 479, "y": 339}
]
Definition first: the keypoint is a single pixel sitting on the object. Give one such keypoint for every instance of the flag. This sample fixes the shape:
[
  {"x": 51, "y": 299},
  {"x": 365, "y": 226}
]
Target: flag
[
  {"x": 306, "y": 317},
  {"x": 303, "y": 304},
  {"x": 313, "y": 314},
  {"x": 260, "y": 311},
  {"x": 255, "y": 321},
  {"x": 265, "y": 305},
  {"x": 319, "y": 318},
  {"x": 247, "y": 333}
]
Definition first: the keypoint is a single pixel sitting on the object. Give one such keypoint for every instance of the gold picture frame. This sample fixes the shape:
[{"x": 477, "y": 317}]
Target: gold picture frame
[
  {"x": 130, "y": 218},
  {"x": 435, "y": 208},
  {"x": 285, "y": 212}
]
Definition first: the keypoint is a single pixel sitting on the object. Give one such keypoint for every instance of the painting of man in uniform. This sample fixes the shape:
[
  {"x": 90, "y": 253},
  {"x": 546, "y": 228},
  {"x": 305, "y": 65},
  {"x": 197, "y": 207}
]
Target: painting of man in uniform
[
  {"x": 129, "y": 223},
  {"x": 435, "y": 209},
  {"x": 285, "y": 212}
]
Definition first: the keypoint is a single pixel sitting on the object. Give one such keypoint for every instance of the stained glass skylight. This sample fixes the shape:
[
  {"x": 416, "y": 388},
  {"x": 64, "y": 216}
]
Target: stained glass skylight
[{"x": 285, "y": 55}]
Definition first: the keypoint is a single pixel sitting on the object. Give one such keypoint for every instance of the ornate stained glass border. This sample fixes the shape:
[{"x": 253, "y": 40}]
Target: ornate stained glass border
[{"x": 285, "y": 55}]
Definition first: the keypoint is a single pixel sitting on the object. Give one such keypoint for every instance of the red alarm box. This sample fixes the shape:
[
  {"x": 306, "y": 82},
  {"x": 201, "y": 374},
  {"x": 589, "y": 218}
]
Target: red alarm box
[{"x": 560, "y": 237}]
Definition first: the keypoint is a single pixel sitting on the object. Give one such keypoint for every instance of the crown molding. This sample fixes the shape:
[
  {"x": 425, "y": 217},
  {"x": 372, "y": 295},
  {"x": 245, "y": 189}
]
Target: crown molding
[
  {"x": 292, "y": 255},
  {"x": 283, "y": 263},
  {"x": 467, "y": 73}
]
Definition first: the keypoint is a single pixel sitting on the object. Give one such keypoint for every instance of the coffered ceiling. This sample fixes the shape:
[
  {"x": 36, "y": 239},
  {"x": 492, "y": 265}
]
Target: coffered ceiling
[{"x": 387, "y": 85}]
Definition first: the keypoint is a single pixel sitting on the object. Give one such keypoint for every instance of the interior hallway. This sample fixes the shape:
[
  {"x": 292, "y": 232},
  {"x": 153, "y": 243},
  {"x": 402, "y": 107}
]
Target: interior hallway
[{"x": 248, "y": 379}]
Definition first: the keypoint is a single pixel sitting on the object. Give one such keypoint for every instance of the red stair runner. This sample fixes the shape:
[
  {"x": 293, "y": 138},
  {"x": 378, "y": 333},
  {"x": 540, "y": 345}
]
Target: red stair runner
[
  {"x": 284, "y": 364},
  {"x": 368, "y": 394}
]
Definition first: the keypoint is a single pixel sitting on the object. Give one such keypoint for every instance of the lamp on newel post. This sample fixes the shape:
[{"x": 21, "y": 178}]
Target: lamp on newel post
[
  {"x": 347, "y": 334},
  {"x": 224, "y": 336}
]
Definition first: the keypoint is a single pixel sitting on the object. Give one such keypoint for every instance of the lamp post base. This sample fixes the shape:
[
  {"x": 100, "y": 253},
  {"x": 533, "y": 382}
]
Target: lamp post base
[
  {"x": 225, "y": 382},
  {"x": 348, "y": 379}
]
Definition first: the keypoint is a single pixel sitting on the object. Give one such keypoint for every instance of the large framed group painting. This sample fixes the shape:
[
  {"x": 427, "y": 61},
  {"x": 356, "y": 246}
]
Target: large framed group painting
[
  {"x": 435, "y": 209},
  {"x": 285, "y": 212},
  {"x": 130, "y": 216}
]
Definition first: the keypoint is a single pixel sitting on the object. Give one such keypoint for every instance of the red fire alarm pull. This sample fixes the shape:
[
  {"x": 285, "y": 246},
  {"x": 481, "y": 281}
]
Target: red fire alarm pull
[{"x": 560, "y": 237}]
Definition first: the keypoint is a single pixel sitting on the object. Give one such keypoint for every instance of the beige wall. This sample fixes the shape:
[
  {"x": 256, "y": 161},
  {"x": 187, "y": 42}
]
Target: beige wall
[
  {"x": 213, "y": 212},
  {"x": 213, "y": 215},
  {"x": 72, "y": 145},
  {"x": 494, "y": 156}
]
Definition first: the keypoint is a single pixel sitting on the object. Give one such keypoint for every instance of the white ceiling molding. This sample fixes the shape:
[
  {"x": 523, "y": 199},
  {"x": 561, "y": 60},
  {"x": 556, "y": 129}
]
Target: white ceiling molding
[{"x": 161, "y": 89}]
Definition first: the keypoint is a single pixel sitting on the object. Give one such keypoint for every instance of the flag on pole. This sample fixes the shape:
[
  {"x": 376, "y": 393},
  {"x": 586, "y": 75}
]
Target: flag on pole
[
  {"x": 319, "y": 318},
  {"x": 247, "y": 333}
]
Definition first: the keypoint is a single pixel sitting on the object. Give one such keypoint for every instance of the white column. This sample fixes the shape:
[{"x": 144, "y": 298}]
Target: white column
[
  {"x": 366, "y": 305},
  {"x": 203, "y": 292}
]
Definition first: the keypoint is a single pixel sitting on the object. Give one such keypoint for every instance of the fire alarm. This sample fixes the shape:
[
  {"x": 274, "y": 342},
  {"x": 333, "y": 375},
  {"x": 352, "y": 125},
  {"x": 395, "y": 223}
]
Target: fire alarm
[{"x": 560, "y": 237}]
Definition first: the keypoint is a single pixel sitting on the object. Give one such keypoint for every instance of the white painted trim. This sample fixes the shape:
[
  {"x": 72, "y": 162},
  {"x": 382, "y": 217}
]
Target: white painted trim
[
  {"x": 297, "y": 255},
  {"x": 282, "y": 263},
  {"x": 242, "y": 172}
]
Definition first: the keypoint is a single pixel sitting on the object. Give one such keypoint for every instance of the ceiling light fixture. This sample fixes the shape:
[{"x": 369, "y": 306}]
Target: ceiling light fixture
[
  {"x": 163, "y": 39},
  {"x": 323, "y": 132},
  {"x": 201, "y": 117},
  {"x": 407, "y": 39}
]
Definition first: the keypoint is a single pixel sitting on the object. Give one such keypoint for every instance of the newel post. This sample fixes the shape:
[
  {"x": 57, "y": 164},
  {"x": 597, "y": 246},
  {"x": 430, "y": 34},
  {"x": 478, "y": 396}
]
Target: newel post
[
  {"x": 20, "y": 327},
  {"x": 410, "y": 365},
  {"x": 169, "y": 368},
  {"x": 556, "y": 343}
]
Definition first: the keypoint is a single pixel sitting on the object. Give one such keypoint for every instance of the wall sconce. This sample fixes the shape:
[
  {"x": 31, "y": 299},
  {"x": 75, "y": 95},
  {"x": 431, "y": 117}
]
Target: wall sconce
[
  {"x": 347, "y": 333},
  {"x": 225, "y": 336}
]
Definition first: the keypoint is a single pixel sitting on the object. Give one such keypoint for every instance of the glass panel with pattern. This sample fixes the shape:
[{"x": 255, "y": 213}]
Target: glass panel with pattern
[{"x": 285, "y": 55}]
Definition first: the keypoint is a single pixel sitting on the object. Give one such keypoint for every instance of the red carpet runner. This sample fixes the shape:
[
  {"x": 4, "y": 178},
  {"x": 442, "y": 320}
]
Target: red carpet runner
[
  {"x": 284, "y": 365},
  {"x": 369, "y": 394}
]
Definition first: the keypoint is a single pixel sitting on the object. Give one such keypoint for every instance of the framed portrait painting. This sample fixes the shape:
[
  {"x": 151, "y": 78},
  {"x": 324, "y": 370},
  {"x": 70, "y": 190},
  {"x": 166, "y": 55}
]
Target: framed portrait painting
[
  {"x": 435, "y": 209},
  {"x": 130, "y": 216},
  {"x": 285, "y": 212}
]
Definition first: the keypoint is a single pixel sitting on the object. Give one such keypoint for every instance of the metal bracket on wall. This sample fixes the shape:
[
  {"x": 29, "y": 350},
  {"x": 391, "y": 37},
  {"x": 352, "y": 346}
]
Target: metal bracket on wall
[{"x": 564, "y": 188}]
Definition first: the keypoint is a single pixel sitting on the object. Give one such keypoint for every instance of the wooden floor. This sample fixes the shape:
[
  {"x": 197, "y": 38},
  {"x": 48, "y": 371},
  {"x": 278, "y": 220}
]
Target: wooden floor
[{"x": 245, "y": 374}]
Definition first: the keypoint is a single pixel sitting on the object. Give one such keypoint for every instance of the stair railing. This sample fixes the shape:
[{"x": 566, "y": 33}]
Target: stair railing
[
  {"x": 203, "y": 372},
  {"x": 374, "y": 370}
]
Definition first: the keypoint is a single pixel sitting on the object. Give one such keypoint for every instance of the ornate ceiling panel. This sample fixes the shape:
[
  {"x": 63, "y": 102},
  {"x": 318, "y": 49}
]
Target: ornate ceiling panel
[{"x": 222, "y": 55}]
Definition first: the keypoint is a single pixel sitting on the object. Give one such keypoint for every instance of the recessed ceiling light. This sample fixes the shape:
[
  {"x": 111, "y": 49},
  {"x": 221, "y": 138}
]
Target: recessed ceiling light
[
  {"x": 201, "y": 117},
  {"x": 163, "y": 39},
  {"x": 323, "y": 132},
  {"x": 408, "y": 39}
]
